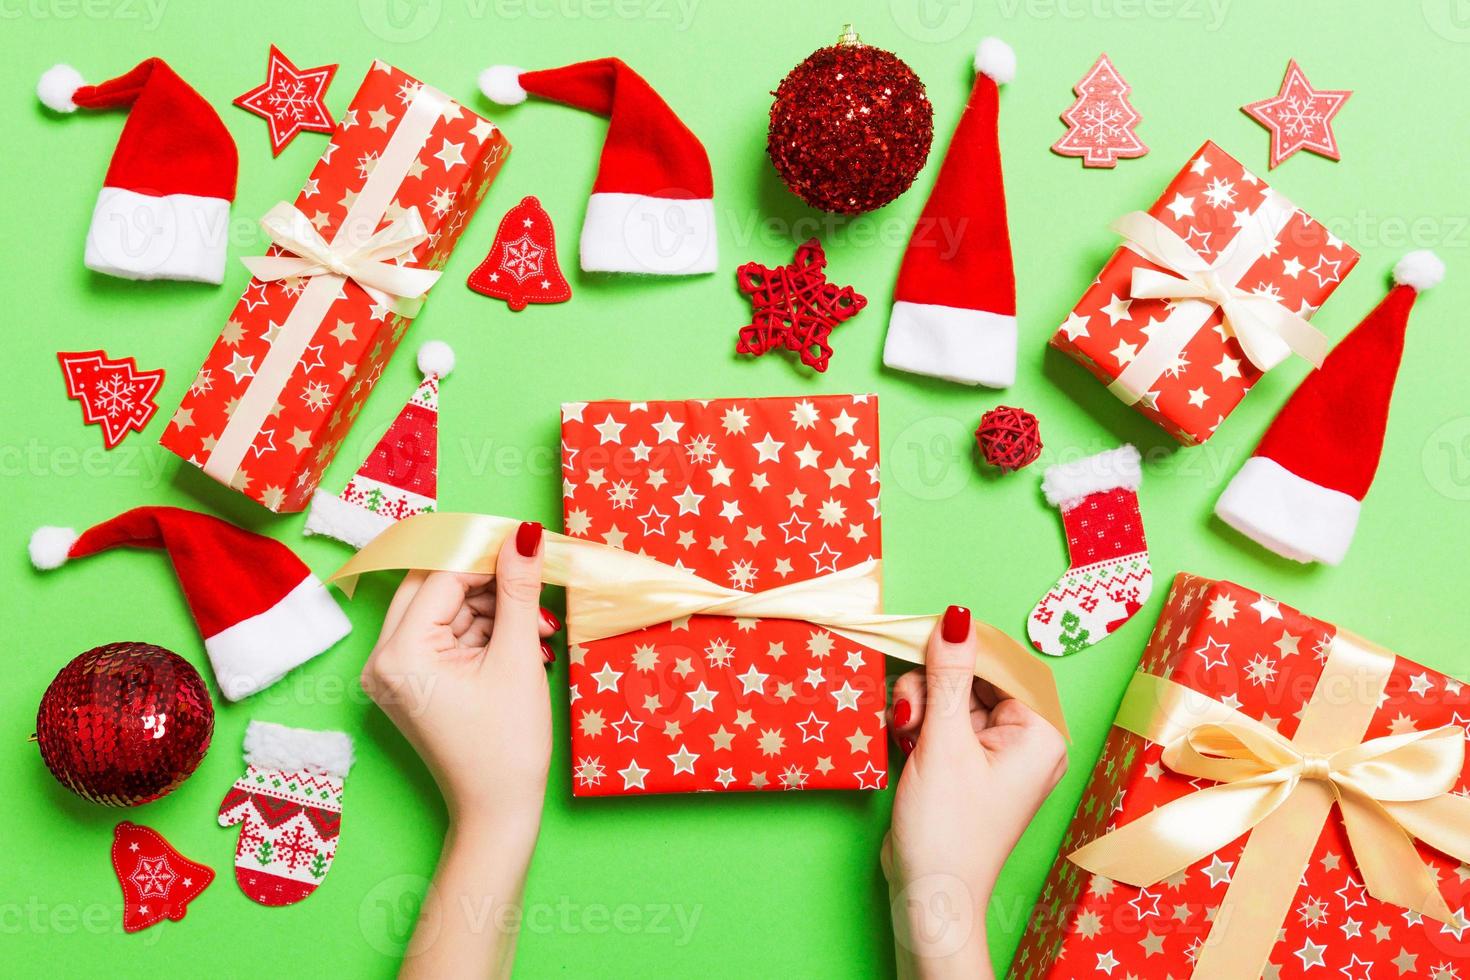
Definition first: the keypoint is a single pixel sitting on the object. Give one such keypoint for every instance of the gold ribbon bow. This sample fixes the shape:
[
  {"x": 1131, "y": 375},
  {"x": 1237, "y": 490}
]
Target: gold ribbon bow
[
  {"x": 611, "y": 592},
  {"x": 369, "y": 264},
  {"x": 1267, "y": 331},
  {"x": 1390, "y": 790}
]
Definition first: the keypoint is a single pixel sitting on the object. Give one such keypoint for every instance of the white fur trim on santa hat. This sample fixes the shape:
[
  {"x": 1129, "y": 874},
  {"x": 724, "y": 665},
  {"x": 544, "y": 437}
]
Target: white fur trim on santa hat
[
  {"x": 972, "y": 347},
  {"x": 347, "y": 522},
  {"x": 1420, "y": 270},
  {"x": 436, "y": 357},
  {"x": 57, "y": 86},
  {"x": 254, "y": 653},
  {"x": 995, "y": 58},
  {"x": 142, "y": 236},
  {"x": 1292, "y": 516},
  {"x": 273, "y": 746},
  {"x": 50, "y": 547},
  {"x": 1067, "y": 483},
  {"x": 658, "y": 236},
  {"x": 502, "y": 84}
]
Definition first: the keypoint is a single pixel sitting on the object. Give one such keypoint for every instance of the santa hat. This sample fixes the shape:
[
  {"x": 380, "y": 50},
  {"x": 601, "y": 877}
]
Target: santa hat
[
  {"x": 1301, "y": 492},
  {"x": 954, "y": 306},
  {"x": 164, "y": 209},
  {"x": 400, "y": 476},
  {"x": 652, "y": 208},
  {"x": 260, "y": 610}
]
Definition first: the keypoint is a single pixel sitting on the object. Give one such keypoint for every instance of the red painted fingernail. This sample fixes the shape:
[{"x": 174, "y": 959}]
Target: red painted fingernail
[
  {"x": 956, "y": 627},
  {"x": 551, "y": 619},
  {"x": 547, "y": 654},
  {"x": 907, "y": 744},
  {"x": 901, "y": 713},
  {"x": 528, "y": 538}
]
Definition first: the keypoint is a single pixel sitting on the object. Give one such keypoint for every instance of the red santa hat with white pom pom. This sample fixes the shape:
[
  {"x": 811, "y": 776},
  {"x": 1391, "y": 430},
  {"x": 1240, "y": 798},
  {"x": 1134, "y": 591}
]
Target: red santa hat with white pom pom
[
  {"x": 400, "y": 477},
  {"x": 652, "y": 204},
  {"x": 1301, "y": 492},
  {"x": 954, "y": 305},
  {"x": 164, "y": 208},
  {"x": 259, "y": 608}
]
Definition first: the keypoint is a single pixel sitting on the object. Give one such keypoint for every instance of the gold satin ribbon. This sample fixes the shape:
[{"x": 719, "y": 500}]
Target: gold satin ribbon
[
  {"x": 1390, "y": 791},
  {"x": 611, "y": 592},
  {"x": 1268, "y": 332},
  {"x": 369, "y": 264}
]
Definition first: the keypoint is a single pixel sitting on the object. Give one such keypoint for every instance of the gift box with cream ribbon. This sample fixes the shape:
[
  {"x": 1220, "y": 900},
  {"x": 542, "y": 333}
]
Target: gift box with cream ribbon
[
  {"x": 1210, "y": 288},
  {"x": 349, "y": 264}
]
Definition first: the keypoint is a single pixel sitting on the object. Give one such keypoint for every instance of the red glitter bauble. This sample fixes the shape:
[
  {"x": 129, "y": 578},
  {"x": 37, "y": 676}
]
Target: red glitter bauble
[
  {"x": 850, "y": 127},
  {"x": 1009, "y": 438},
  {"x": 124, "y": 724}
]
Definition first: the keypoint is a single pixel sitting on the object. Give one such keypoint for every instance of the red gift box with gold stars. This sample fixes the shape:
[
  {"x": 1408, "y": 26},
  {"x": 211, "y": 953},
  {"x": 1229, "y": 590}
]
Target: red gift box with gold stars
[
  {"x": 297, "y": 358},
  {"x": 752, "y": 493}
]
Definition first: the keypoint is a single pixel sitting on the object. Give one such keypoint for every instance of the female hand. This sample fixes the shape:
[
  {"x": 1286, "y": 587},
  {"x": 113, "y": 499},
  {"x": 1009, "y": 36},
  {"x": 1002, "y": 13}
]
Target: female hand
[{"x": 979, "y": 766}]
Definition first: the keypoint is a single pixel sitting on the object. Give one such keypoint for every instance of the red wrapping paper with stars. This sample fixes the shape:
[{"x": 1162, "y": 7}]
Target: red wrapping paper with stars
[
  {"x": 450, "y": 171},
  {"x": 1263, "y": 658},
  {"x": 1208, "y": 204},
  {"x": 752, "y": 494}
]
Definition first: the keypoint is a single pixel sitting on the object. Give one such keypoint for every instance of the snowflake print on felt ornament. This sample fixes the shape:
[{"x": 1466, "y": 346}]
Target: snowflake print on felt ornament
[
  {"x": 290, "y": 100},
  {"x": 521, "y": 267},
  {"x": 1299, "y": 116},
  {"x": 1101, "y": 123},
  {"x": 114, "y": 393},
  {"x": 795, "y": 307}
]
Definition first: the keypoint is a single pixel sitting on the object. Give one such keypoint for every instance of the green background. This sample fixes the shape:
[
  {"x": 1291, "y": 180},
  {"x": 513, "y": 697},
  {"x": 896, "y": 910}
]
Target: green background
[{"x": 782, "y": 884}]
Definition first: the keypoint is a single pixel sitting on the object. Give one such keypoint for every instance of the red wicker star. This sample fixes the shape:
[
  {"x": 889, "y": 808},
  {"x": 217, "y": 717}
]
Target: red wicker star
[
  {"x": 290, "y": 100},
  {"x": 795, "y": 307}
]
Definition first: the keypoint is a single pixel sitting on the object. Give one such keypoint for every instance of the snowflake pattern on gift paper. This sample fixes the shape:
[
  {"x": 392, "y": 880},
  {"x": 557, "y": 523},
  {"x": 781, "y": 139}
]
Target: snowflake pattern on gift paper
[
  {"x": 290, "y": 100},
  {"x": 751, "y": 494},
  {"x": 1299, "y": 116}
]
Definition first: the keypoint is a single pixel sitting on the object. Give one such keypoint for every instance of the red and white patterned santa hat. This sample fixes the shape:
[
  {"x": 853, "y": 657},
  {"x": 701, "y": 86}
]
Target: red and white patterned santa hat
[
  {"x": 954, "y": 306},
  {"x": 652, "y": 206},
  {"x": 164, "y": 208},
  {"x": 400, "y": 476},
  {"x": 1300, "y": 494},
  {"x": 259, "y": 608}
]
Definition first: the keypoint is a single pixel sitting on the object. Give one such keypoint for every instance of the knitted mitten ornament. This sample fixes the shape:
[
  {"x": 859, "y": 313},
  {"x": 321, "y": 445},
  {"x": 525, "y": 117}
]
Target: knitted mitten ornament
[
  {"x": 1108, "y": 578},
  {"x": 289, "y": 806}
]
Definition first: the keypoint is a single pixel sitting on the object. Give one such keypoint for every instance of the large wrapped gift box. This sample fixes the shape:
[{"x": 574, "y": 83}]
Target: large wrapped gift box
[
  {"x": 753, "y": 494},
  {"x": 1267, "y": 661},
  {"x": 1175, "y": 357},
  {"x": 299, "y": 355}
]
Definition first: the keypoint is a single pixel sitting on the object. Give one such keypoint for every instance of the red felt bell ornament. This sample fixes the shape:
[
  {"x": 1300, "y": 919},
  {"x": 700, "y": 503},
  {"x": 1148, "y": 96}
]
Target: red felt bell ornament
[{"x": 521, "y": 267}]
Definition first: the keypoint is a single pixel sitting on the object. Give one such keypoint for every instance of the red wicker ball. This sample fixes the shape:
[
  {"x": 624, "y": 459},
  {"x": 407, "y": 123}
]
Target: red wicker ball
[
  {"x": 1009, "y": 438},
  {"x": 124, "y": 724}
]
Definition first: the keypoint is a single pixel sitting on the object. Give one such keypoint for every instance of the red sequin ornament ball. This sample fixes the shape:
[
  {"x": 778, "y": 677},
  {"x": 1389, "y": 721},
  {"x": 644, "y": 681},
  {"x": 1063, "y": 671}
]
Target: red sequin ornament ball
[
  {"x": 124, "y": 724},
  {"x": 1009, "y": 438},
  {"x": 850, "y": 128}
]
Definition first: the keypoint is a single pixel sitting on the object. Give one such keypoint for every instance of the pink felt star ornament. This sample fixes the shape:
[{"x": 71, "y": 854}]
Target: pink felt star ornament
[{"x": 1299, "y": 116}]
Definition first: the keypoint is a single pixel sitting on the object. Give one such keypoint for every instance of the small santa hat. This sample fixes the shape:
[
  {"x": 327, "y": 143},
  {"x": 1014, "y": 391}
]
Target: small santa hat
[
  {"x": 400, "y": 476},
  {"x": 652, "y": 206},
  {"x": 164, "y": 209},
  {"x": 1301, "y": 492},
  {"x": 954, "y": 306},
  {"x": 259, "y": 608}
]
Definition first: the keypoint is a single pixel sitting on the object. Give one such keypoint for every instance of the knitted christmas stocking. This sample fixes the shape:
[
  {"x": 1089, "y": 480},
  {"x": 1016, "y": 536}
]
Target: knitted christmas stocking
[
  {"x": 289, "y": 806},
  {"x": 1108, "y": 577}
]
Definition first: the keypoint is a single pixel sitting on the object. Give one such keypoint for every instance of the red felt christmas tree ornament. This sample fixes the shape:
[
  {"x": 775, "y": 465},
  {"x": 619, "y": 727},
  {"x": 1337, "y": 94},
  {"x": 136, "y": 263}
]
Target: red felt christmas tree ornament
[
  {"x": 522, "y": 267},
  {"x": 157, "y": 881},
  {"x": 114, "y": 393},
  {"x": 124, "y": 724}
]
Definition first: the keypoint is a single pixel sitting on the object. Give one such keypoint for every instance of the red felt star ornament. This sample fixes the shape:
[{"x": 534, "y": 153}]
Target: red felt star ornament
[
  {"x": 290, "y": 100},
  {"x": 157, "y": 881},
  {"x": 1299, "y": 116},
  {"x": 114, "y": 393},
  {"x": 521, "y": 267},
  {"x": 795, "y": 307}
]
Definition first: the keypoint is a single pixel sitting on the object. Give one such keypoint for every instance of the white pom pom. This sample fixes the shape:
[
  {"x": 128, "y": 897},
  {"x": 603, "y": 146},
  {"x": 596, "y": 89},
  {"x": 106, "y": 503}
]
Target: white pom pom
[
  {"x": 502, "y": 84},
  {"x": 57, "y": 86},
  {"x": 50, "y": 547},
  {"x": 436, "y": 357},
  {"x": 1420, "y": 270},
  {"x": 995, "y": 58}
]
